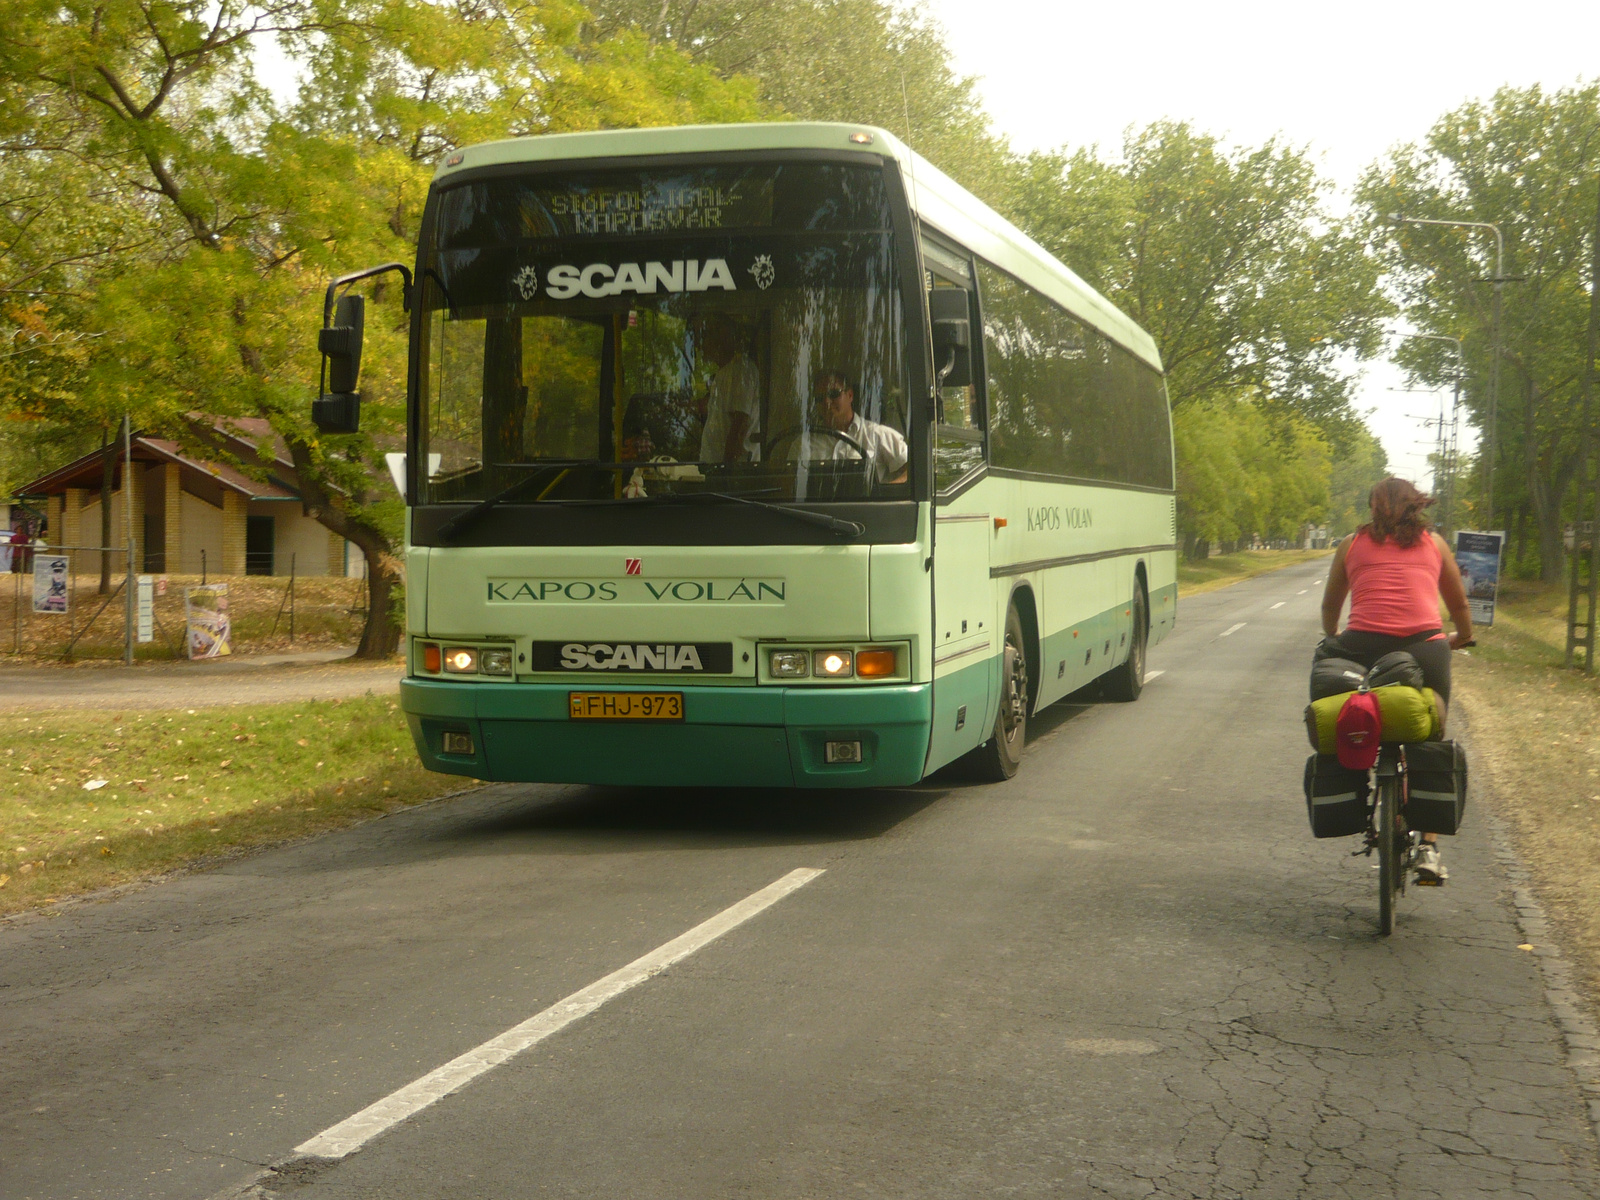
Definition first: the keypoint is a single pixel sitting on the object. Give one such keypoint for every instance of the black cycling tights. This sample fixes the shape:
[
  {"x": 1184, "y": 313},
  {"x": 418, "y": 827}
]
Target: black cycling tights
[{"x": 1432, "y": 654}]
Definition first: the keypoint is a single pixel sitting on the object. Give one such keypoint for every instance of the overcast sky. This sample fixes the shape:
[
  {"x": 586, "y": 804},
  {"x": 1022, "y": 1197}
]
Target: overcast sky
[{"x": 1349, "y": 80}]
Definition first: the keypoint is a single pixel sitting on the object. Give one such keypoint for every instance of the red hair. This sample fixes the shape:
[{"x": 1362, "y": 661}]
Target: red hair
[{"x": 1397, "y": 512}]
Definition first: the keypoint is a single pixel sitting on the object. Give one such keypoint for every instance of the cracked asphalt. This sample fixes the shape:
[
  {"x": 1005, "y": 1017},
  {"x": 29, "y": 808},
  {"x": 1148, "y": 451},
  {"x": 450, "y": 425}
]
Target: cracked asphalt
[{"x": 1129, "y": 972}]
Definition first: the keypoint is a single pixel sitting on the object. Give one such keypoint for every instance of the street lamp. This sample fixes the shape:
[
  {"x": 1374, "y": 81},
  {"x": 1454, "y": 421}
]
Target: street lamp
[
  {"x": 1499, "y": 282},
  {"x": 1447, "y": 458}
]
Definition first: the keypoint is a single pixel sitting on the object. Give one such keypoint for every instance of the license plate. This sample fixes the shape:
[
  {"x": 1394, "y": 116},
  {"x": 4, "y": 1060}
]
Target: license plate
[{"x": 625, "y": 706}]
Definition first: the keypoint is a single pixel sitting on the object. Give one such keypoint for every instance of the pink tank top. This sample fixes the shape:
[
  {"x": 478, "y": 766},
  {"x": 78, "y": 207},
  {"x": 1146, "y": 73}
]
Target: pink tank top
[{"x": 1393, "y": 590}]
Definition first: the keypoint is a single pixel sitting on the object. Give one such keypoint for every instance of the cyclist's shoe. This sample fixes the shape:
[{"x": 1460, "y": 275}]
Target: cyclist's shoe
[{"x": 1430, "y": 870}]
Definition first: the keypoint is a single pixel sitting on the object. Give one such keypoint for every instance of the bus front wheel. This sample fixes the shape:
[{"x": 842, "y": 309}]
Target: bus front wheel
[{"x": 998, "y": 759}]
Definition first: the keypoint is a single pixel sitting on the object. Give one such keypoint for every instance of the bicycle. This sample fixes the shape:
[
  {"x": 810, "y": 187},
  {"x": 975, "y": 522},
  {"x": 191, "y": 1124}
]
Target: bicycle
[
  {"x": 1397, "y": 853},
  {"x": 1386, "y": 812}
]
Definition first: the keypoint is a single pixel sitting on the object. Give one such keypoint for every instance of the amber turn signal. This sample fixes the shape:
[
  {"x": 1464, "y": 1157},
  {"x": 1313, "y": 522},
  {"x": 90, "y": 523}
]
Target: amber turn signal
[
  {"x": 431, "y": 661},
  {"x": 874, "y": 663}
]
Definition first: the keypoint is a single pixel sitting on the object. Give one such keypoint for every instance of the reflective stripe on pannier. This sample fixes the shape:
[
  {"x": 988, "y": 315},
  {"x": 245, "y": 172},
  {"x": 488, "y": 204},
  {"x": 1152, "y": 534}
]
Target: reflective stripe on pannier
[
  {"x": 1436, "y": 786},
  {"x": 1336, "y": 797}
]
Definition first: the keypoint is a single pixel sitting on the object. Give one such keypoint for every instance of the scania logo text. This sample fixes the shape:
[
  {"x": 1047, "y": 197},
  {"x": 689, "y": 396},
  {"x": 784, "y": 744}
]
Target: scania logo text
[
  {"x": 644, "y": 279},
  {"x": 603, "y": 656}
]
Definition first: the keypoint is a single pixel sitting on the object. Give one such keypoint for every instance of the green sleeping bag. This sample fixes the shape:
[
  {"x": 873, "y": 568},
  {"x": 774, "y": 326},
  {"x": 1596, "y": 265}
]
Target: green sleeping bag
[{"x": 1409, "y": 715}]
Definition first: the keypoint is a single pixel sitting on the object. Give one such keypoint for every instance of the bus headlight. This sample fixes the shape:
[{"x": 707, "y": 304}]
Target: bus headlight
[
  {"x": 495, "y": 662},
  {"x": 461, "y": 660},
  {"x": 834, "y": 664},
  {"x": 789, "y": 664}
]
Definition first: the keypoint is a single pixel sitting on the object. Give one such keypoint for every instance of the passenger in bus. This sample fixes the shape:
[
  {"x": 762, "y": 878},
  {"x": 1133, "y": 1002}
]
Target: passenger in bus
[
  {"x": 733, "y": 402},
  {"x": 835, "y": 397}
]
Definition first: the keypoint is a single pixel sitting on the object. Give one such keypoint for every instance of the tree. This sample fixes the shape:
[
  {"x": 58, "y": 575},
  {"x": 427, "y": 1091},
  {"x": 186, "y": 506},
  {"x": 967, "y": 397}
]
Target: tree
[
  {"x": 863, "y": 61},
  {"x": 1256, "y": 298},
  {"x": 1528, "y": 161},
  {"x": 1227, "y": 257},
  {"x": 241, "y": 208}
]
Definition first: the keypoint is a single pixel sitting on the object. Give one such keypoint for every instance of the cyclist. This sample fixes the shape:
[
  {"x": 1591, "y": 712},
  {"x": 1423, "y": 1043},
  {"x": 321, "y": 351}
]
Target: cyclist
[{"x": 1395, "y": 570}]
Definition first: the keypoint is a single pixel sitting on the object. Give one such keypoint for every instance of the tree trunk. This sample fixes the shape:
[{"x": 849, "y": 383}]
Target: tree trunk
[
  {"x": 107, "y": 474},
  {"x": 381, "y": 636}
]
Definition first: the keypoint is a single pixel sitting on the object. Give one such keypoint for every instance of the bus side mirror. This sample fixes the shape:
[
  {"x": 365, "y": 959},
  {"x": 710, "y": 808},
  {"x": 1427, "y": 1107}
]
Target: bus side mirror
[
  {"x": 952, "y": 336},
  {"x": 338, "y": 410}
]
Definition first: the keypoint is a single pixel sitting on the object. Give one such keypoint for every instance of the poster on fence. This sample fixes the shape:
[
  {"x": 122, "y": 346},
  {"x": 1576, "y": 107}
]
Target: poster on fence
[
  {"x": 50, "y": 583},
  {"x": 205, "y": 614},
  {"x": 1478, "y": 556},
  {"x": 145, "y": 626}
]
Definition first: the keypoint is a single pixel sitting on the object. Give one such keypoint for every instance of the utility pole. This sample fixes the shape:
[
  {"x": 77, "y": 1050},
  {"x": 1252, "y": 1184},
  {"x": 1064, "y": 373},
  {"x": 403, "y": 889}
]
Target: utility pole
[
  {"x": 1447, "y": 464},
  {"x": 1499, "y": 281}
]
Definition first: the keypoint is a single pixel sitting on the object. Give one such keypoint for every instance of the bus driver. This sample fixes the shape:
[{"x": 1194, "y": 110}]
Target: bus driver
[{"x": 836, "y": 409}]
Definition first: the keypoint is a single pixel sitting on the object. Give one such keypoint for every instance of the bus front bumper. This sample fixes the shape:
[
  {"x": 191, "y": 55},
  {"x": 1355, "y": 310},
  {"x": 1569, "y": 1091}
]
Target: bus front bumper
[{"x": 729, "y": 737}]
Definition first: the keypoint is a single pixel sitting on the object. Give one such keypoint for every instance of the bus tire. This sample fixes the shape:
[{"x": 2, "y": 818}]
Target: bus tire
[
  {"x": 998, "y": 759},
  {"x": 1124, "y": 683}
]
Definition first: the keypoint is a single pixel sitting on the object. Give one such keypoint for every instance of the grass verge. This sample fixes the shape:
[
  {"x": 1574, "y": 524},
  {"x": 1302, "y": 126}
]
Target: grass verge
[
  {"x": 1218, "y": 572},
  {"x": 96, "y": 799},
  {"x": 1534, "y": 729}
]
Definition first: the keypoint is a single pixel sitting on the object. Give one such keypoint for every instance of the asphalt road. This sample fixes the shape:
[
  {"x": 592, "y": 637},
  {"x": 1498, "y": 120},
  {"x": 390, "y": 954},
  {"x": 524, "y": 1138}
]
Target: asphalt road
[{"x": 1129, "y": 972}]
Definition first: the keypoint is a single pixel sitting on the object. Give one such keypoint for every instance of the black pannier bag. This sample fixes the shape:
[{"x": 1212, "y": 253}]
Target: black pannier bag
[
  {"x": 1398, "y": 666},
  {"x": 1336, "y": 797},
  {"x": 1436, "y": 785}
]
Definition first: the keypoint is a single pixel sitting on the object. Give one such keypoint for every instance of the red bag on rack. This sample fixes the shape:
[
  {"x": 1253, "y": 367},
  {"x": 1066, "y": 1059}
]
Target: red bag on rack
[{"x": 1359, "y": 732}]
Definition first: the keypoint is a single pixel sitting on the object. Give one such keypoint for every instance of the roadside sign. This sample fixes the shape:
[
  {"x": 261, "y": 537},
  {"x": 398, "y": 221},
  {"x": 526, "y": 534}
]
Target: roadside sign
[
  {"x": 1478, "y": 555},
  {"x": 145, "y": 630},
  {"x": 50, "y": 592},
  {"x": 208, "y": 629}
]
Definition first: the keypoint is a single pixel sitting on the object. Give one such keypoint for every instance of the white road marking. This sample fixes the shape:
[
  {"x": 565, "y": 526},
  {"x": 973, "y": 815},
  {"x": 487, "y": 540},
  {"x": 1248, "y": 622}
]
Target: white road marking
[
  {"x": 354, "y": 1132},
  {"x": 1302, "y": 591},
  {"x": 1316, "y": 583},
  {"x": 1279, "y": 604},
  {"x": 1233, "y": 629},
  {"x": 1149, "y": 675}
]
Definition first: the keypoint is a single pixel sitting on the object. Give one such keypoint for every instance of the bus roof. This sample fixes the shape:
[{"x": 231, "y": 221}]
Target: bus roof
[{"x": 938, "y": 200}]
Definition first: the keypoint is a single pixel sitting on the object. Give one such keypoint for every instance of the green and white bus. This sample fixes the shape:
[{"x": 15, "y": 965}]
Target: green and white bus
[{"x": 759, "y": 455}]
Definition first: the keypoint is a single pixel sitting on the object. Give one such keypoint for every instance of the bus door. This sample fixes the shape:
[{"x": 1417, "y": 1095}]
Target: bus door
[{"x": 965, "y": 638}]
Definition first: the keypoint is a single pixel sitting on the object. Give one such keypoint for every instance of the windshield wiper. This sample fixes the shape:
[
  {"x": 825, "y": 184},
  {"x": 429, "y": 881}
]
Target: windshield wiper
[
  {"x": 832, "y": 524},
  {"x": 461, "y": 520}
]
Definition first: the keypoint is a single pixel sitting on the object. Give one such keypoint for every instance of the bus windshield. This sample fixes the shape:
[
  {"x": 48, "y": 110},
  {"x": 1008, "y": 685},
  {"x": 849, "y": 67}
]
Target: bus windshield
[{"x": 643, "y": 334}]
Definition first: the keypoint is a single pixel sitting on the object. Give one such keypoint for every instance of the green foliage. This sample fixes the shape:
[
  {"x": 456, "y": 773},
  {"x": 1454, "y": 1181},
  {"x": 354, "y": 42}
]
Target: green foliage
[
  {"x": 1249, "y": 288},
  {"x": 1226, "y": 256},
  {"x": 1242, "y": 472},
  {"x": 1528, "y": 161},
  {"x": 225, "y": 212},
  {"x": 1357, "y": 465}
]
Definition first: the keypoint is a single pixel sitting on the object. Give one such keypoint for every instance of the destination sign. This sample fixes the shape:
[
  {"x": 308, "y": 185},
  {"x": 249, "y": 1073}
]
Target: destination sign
[{"x": 709, "y": 199}]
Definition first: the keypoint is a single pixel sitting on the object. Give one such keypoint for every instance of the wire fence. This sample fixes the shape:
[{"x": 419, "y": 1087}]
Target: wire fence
[{"x": 66, "y": 614}]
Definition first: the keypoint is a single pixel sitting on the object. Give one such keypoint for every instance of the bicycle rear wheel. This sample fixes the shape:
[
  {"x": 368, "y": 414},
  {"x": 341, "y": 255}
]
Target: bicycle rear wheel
[{"x": 1384, "y": 813}]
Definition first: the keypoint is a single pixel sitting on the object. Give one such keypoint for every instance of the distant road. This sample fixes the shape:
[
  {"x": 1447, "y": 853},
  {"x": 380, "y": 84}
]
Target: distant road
[
  {"x": 1128, "y": 973},
  {"x": 245, "y": 680}
]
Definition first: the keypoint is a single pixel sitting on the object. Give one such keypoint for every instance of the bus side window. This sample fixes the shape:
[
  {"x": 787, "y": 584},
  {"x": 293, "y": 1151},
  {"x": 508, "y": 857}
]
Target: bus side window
[{"x": 958, "y": 430}]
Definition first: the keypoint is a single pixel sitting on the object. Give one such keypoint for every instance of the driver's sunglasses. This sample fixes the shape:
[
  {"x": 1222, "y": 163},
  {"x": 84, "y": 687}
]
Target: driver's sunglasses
[{"x": 830, "y": 394}]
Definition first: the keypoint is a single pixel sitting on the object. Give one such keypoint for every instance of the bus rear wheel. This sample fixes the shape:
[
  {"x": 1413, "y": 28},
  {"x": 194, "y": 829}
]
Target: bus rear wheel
[
  {"x": 998, "y": 759},
  {"x": 1124, "y": 683}
]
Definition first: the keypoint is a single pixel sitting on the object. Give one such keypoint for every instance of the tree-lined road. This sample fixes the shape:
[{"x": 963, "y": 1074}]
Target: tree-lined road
[{"x": 1129, "y": 972}]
